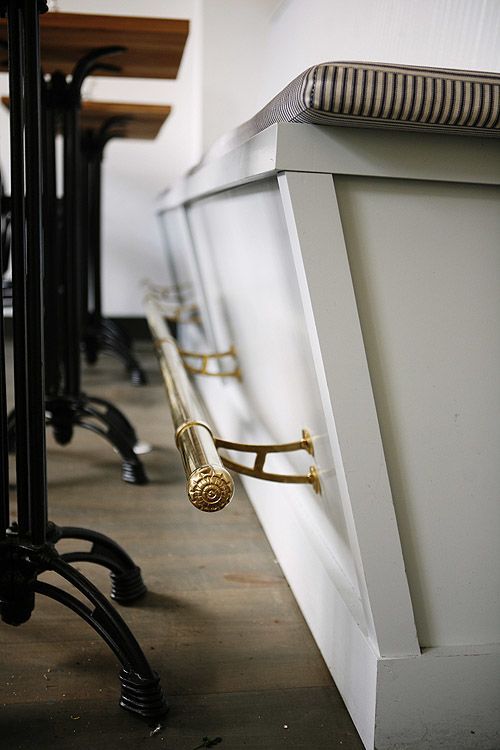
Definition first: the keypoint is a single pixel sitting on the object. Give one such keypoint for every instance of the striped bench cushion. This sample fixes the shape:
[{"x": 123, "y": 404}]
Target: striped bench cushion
[{"x": 376, "y": 95}]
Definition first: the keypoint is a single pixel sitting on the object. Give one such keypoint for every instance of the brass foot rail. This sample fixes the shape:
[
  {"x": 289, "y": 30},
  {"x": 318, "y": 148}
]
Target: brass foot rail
[
  {"x": 202, "y": 368},
  {"x": 209, "y": 485}
]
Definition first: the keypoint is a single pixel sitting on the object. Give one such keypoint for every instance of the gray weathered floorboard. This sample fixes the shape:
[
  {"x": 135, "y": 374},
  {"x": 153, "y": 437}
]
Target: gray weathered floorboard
[{"x": 219, "y": 622}]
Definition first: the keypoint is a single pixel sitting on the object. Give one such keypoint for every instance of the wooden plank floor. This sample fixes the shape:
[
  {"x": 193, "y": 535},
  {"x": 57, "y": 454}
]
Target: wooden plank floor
[{"x": 219, "y": 622}]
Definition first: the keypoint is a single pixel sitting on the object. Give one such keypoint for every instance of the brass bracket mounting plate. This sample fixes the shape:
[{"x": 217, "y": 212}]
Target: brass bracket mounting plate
[
  {"x": 262, "y": 451},
  {"x": 204, "y": 363}
]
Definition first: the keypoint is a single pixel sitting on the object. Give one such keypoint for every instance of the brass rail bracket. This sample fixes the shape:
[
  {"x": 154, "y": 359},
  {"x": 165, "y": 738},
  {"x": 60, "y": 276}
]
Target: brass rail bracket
[
  {"x": 262, "y": 451},
  {"x": 204, "y": 363},
  {"x": 173, "y": 312},
  {"x": 183, "y": 314}
]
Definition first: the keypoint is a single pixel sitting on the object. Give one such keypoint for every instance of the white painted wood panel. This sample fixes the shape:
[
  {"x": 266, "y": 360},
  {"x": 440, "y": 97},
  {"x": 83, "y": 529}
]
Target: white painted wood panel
[
  {"x": 185, "y": 279},
  {"x": 329, "y": 309},
  {"x": 175, "y": 244},
  {"x": 374, "y": 275},
  {"x": 269, "y": 332},
  {"x": 295, "y": 147},
  {"x": 426, "y": 267}
]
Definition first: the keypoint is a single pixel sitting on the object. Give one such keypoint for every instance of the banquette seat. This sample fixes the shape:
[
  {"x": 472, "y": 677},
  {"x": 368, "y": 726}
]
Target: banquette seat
[{"x": 355, "y": 270}]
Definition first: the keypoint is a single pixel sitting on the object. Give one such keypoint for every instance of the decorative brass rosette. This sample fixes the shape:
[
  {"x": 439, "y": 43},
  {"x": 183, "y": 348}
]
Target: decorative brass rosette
[{"x": 209, "y": 489}]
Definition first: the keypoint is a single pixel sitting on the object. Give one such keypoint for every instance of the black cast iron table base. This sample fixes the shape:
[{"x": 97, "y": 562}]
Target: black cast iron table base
[
  {"x": 108, "y": 337},
  {"x": 21, "y": 563},
  {"x": 64, "y": 413}
]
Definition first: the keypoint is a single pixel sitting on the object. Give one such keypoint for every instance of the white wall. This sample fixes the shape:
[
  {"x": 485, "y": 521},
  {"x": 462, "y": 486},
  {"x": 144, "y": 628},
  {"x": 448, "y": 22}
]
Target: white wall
[
  {"x": 234, "y": 58},
  {"x": 447, "y": 33},
  {"x": 134, "y": 172},
  {"x": 218, "y": 87}
]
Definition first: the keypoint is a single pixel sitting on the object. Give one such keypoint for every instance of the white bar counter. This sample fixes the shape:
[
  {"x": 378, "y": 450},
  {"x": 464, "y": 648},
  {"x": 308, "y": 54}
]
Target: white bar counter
[{"x": 357, "y": 273}]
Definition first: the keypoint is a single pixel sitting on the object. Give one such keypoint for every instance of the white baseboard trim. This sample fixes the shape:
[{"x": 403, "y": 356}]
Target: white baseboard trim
[
  {"x": 338, "y": 634},
  {"x": 445, "y": 699}
]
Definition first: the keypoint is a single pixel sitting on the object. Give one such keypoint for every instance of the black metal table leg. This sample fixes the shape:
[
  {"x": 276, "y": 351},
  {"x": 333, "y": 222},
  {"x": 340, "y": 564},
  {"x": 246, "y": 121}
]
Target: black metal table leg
[
  {"x": 26, "y": 193},
  {"x": 67, "y": 406},
  {"x": 52, "y": 250},
  {"x": 26, "y": 547},
  {"x": 66, "y": 231},
  {"x": 18, "y": 213},
  {"x": 100, "y": 333},
  {"x": 4, "y": 439}
]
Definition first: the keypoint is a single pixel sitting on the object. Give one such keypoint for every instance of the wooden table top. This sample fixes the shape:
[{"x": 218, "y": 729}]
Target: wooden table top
[
  {"x": 154, "y": 45},
  {"x": 144, "y": 121}
]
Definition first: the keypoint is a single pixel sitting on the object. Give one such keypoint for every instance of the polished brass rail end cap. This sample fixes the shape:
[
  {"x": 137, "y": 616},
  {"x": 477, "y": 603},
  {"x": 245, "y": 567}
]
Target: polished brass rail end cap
[{"x": 210, "y": 489}]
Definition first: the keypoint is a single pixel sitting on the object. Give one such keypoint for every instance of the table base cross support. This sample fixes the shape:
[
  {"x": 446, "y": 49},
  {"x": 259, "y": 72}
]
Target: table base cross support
[
  {"x": 127, "y": 585},
  {"x": 21, "y": 563}
]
